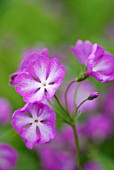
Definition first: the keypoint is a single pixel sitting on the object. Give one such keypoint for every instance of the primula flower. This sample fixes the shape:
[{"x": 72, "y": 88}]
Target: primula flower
[
  {"x": 84, "y": 90},
  {"x": 42, "y": 80},
  {"x": 100, "y": 64},
  {"x": 5, "y": 111},
  {"x": 98, "y": 127},
  {"x": 8, "y": 157},
  {"x": 35, "y": 123},
  {"x": 93, "y": 166},
  {"x": 28, "y": 57},
  {"x": 82, "y": 51}
]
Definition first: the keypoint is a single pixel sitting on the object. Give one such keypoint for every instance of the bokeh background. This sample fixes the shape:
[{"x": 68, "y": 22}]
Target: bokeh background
[{"x": 55, "y": 24}]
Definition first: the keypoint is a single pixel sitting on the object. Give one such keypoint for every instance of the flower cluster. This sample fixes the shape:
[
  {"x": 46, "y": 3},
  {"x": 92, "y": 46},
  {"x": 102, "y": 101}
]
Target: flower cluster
[{"x": 38, "y": 79}]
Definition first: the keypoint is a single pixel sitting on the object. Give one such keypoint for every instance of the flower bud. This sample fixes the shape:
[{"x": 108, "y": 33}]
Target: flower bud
[{"x": 93, "y": 95}]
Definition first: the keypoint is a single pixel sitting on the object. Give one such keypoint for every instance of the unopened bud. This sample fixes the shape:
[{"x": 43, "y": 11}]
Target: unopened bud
[{"x": 93, "y": 96}]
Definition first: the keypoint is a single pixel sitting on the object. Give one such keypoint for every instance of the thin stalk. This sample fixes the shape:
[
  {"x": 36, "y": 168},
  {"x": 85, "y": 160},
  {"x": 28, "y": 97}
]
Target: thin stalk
[
  {"x": 58, "y": 113},
  {"x": 77, "y": 146},
  {"x": 66, "y": 112},
  {"x": 75, "y": 95},
  {"x": 77, "y": 109},
  {"x": 66, "y": 93}
]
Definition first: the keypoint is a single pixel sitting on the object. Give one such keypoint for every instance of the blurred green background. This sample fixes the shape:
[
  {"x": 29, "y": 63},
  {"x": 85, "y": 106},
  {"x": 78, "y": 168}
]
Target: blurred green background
[{"x": 54, "y": 24}]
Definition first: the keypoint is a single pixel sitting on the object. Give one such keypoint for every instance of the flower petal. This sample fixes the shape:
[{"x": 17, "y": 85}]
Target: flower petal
[
  {"x": 20, "y": 119},
  {"x": 29, "y": 88},
  {"x": 56, "y": 73},
  {"x": 47, "y": 132},
  {"x": 30, "y": 135},
  {"x": 47, "y": 114},
  {"x": 39, "y": 68}
]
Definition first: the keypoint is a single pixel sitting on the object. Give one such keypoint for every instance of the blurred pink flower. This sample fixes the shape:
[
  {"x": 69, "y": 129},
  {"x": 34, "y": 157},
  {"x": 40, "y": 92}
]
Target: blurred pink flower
[
  {"x": 57, "y": 155},
  {"x": 8, "y": 157},
  {"x": 28, "y": 57},
  {"x": 5, "y": 111},
  {"x": 98, "y": 127},
  {"x": 93, "y": 166}
]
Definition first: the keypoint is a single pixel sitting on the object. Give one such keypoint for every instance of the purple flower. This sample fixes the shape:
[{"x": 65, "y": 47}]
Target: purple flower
[
  {"x": 42, "y": 80},
  {"x": 108, "y": 102},
  {"x": 5, "y": 111},
  {"x": 100, "y": 64},
  {"x": 8, "y": 157},
  {"x": 98, "y": 127},
  {"x": 84, "y": 91},
  {"x": 57, "y": 155},
  {"x": 67, "y": 137},
  {"x": 93, "y": 166},
  {"x": 82, "y": 51},
  {"x": 35, "y": 123},
  {"x": 28, "y": 57}
]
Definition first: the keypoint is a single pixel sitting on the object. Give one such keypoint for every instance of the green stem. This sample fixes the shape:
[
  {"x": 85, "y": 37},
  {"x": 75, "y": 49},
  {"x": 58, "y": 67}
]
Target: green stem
[
  {"x": 75, "y": 113},
  {"x": 66, "y": 93},
  {"x": 75, "y": 95},
  {"x": 66, "y": 112},
  {"x": 59, "y": 103},
  {"x": 61, "y": 115},
  {"x": 77, "y": 145}
]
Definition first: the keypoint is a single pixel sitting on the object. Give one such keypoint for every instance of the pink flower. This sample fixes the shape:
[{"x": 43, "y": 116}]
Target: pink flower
[
  {"x": 57, "y": 155},
  {"x": 100, "y": 64},
  {"x": 108, "y": 102},
  {"x": 42, "y": 80},
  {"x": 35, "y": 123},
  {"x": 8, "y": 157},
  {"x": 82, "y": 51},
  {"x": 28, "y": 57},
  {"x": 5, "y": 111},
  {"x": 93, "y": 166},
  {"x": 98, "y": 127}
]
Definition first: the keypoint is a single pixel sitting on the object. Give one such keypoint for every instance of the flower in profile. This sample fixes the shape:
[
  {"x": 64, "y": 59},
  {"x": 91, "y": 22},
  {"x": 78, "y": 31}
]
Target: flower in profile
[
  {"x": 84, "y": 90},
  {"x": 28, "y": 57},
  {"x": 82, "y": 50},
  {"x": 98, "y": 127},
  {"x": 42, "y": 80},
  {"x": 35, "y": 123},
  {"x": 100, "y": 64},
  {"x": 93, "y": 166},
  {"x": 5, "y": 111},
  {"x": 8, "y": 157}
]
